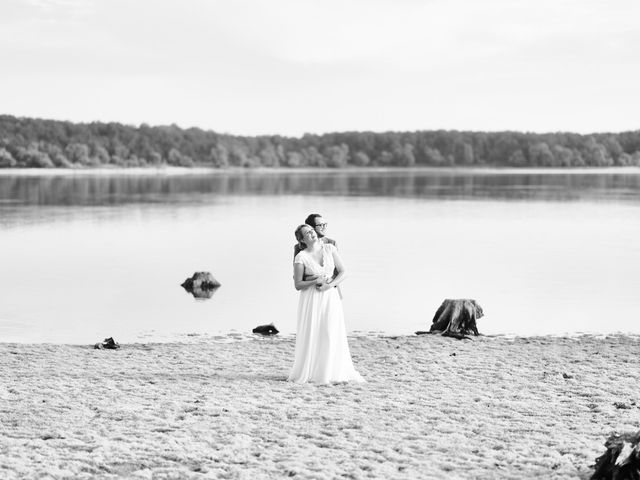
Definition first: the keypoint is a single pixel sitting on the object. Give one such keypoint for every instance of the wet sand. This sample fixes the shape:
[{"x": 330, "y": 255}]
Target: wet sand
[{"x": 433, "y": 407}]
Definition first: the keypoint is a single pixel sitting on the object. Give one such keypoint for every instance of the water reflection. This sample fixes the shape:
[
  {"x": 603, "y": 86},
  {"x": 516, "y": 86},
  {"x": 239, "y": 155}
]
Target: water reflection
[
  {"x": 563, "y": 265},
  {"x": 114, "y": 189},
  {"x": 201, "y": 294}
]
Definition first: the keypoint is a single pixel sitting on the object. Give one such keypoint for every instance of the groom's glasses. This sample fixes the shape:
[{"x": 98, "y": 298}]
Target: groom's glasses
[{"x": 322, "y": 225}]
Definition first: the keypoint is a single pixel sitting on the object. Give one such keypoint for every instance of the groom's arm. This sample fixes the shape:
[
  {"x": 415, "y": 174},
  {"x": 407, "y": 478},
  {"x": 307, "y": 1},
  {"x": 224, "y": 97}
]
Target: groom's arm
[{"x": 335, "y": 244}]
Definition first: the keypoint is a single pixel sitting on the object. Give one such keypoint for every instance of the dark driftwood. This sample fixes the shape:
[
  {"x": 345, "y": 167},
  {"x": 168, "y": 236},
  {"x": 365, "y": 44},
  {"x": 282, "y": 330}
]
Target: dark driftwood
[
  {"x": 201, "y": 285},
  {"x": 266, "y": 329},
  {"x": 456, "y": 318},
  {"x": 108, "y": 344},
  {"x": 621, "y": 461}
]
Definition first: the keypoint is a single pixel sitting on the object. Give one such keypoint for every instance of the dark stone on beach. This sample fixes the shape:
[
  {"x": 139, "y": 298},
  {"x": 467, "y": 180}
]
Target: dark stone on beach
[
  {"x": 456, "y": 318},
  {"x": 107, "y": 344},
  {"x": 621, "y": 461},
  {"x": 201, "y": 285},
  {"x": 266, "y": 330}
]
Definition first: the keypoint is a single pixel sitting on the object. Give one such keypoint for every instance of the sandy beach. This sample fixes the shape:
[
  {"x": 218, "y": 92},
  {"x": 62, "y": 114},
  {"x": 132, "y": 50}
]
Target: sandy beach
[{"x": 433, "y": 407}]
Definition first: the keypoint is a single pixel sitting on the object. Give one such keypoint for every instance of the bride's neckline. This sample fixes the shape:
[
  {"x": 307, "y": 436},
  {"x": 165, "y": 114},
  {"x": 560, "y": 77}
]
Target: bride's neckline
[{"x": 311, "y": 254}]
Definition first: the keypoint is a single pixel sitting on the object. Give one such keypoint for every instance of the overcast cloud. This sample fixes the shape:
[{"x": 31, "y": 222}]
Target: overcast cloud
[{"x": 295, "y": 66}]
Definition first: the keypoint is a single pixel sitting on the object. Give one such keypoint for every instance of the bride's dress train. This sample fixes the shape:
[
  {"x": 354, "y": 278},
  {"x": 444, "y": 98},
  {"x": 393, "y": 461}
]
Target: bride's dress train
[{"x": 322, "y": 352}]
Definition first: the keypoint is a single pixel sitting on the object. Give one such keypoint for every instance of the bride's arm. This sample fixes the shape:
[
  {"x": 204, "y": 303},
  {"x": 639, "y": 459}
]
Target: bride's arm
[{"x": 298, "y": 275}]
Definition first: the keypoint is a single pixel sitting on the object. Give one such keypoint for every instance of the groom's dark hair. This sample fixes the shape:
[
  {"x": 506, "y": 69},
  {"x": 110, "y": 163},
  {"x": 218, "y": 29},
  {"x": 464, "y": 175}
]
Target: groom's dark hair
[{"x": 311, "y": 219}]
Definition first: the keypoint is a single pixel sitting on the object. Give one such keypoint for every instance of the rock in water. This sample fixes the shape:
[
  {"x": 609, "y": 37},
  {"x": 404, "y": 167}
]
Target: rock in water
[
  {"x": 456, "y": 318},
  {"x": 202, "y": 294},
  {"x": 108, "y": 344},
  {"x": 621, "y": 461},
  {"x": 266, "y": 330},
  {"x": 201, "y": 285}
]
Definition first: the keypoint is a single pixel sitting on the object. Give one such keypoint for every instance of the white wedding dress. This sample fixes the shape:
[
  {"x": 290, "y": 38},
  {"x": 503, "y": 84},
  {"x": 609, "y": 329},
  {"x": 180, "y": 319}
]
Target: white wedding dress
[{"x": 322, "y": 352}]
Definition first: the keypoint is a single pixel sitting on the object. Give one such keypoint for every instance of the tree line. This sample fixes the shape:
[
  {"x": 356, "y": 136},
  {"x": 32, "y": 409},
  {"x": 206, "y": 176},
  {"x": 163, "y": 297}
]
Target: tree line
[{"x": 39, "y": 143}]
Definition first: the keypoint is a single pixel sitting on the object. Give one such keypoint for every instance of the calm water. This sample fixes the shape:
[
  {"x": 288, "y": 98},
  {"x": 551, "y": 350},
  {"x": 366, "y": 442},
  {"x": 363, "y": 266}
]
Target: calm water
[{"x": 86, "y": 256}]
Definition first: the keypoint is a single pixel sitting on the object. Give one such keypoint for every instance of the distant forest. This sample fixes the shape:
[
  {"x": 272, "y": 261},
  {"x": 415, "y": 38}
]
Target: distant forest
[{"x": 37, "y": 143}]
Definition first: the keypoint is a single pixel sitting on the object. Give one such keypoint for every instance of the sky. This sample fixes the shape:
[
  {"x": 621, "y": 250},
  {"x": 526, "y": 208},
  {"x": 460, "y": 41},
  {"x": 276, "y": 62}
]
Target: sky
[{"x": 290, "y": 67}]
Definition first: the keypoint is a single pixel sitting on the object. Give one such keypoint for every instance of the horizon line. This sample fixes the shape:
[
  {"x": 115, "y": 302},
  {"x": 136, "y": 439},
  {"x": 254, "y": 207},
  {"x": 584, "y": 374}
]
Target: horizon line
[{"x": 300, "y": 136}]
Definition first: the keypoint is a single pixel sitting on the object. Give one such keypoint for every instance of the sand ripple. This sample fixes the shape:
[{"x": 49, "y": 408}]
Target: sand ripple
[{"x": 492, "y": 407}]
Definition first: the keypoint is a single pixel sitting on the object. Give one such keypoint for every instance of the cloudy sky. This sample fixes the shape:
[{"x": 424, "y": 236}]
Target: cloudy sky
[{"x": 295, "y": 66}]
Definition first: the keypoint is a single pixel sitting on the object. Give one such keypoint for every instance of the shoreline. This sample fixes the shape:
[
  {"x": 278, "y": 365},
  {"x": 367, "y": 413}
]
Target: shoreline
[
  {"x": 432, "y": 407},
  {"x": 233, "y": 336},
  {"x": 170, "y": 170},
  {"x": 236, "y": 336}
]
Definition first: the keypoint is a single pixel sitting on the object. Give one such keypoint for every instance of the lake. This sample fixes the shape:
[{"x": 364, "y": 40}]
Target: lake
[{"x": 88, "y": 255}]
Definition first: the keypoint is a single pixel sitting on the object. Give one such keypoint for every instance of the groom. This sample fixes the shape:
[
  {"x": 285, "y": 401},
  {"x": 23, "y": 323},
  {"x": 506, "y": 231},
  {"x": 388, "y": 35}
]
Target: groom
[{"x": 317, "y": 222}]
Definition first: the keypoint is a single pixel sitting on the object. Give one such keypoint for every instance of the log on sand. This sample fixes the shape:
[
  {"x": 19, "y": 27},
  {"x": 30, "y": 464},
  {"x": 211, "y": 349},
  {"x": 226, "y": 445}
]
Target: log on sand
[{"x": 456, "y": 318}]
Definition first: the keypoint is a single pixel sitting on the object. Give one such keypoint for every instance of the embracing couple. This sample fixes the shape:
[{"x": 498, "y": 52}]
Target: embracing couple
[{"x": 322, "y": 352}]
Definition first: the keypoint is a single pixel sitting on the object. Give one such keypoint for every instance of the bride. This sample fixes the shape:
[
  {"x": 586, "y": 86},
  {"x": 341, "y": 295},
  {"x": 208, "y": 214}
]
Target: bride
[{"x": 322, "y": 353}]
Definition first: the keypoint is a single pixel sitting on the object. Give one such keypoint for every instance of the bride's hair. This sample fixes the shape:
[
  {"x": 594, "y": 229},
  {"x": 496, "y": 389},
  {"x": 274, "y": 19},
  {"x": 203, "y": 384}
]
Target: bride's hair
[{"x": 299, "y": 237}]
